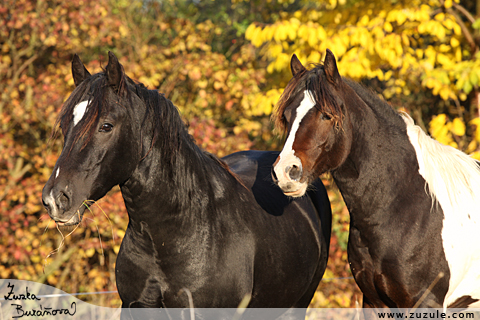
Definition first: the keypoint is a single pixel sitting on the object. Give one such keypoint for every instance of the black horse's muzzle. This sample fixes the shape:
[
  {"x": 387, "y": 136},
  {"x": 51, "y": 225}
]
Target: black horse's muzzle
[{"x": 59, "y": 204}]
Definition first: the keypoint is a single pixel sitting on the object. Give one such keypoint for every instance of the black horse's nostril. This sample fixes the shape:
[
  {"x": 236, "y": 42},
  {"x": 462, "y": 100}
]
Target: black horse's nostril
[
  {"x": 274, "y": 176},
  {"x": 294, "y": 172},
  {"x": 62, "y": 201}
]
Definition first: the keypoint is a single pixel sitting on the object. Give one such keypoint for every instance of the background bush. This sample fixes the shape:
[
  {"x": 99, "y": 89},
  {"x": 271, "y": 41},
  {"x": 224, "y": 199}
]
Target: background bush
[{"x": 224, "y": 65}]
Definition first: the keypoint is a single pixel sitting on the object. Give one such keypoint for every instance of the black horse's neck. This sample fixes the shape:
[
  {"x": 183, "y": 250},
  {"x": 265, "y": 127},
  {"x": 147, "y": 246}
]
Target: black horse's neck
[
  {"x": 381, "y": 159},
  {"x": 176, "y": 180}
]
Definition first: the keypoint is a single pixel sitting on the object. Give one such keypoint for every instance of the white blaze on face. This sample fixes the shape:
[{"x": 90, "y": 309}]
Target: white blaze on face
[
  {"x": 287, "y": 156},
  {"x": 79, "y": 111},
  {"x": 56, "y": 174}
]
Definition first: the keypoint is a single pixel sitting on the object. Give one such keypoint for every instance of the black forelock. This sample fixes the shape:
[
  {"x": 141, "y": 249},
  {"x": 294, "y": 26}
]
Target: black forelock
[{"x": 164, "y": 116}]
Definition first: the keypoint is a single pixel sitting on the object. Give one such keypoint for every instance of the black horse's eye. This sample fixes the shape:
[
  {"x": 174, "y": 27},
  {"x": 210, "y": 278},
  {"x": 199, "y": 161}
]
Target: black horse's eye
[{"x": 106, "y": 127}]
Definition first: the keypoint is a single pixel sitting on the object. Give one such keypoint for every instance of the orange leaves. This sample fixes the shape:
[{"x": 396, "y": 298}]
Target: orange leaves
[{"x": 38, "y": 39}]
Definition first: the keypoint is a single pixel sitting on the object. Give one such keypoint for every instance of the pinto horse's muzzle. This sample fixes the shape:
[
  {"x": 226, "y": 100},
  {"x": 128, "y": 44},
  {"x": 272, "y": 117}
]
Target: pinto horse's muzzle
[{"x": 288, "y": 176}]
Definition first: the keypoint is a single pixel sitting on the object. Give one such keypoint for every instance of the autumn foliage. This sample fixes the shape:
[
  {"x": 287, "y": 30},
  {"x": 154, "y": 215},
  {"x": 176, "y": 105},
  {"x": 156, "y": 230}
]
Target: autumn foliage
[{"x": 224, "y": 65}]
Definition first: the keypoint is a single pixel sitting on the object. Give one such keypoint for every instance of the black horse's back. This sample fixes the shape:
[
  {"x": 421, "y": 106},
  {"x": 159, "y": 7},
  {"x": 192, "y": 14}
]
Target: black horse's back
[{"x": 253, "y": 168}]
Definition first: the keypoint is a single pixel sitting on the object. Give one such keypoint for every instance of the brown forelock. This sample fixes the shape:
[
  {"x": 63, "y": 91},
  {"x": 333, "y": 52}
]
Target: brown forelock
[
  {"x": 285, "y": 99},
  {"x": 313, "y": 80}
]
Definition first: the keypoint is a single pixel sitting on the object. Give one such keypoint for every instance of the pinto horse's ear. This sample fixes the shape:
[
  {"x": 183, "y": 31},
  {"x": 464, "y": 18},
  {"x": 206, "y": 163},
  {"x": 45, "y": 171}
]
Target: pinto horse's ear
[
  {"x": 295, "y": 65},
  {"x": 79, "y": 72},
  {"x": 114, "y": 71},
  {"x": 330, "y": 67}
]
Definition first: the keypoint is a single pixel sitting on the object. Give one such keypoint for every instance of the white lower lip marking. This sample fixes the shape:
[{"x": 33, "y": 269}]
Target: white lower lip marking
[
  {"x": 287, "y": 156},
  {"x": 79, "y": 111},
  {"x": 56, "y": 174}
]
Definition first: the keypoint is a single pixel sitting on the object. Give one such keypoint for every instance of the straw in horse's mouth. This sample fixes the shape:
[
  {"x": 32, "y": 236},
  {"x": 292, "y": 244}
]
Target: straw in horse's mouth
[{"x": 68, "y": 222}]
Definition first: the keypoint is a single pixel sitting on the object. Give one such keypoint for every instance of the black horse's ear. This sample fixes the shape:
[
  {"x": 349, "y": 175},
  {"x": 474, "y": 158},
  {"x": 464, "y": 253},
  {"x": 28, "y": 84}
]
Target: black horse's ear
[
  {"x": 79, "y": 72},
  {"x": 330, "y": 67},
  {"x": 114, "y": 71},
  {"x": 295, "y": 65}
]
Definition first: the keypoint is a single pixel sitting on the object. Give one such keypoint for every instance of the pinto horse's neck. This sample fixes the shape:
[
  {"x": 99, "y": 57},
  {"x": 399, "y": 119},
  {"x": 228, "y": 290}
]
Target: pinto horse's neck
[
  {"x": 380, "y": 159},
  {"x": 392, "y": 218}
]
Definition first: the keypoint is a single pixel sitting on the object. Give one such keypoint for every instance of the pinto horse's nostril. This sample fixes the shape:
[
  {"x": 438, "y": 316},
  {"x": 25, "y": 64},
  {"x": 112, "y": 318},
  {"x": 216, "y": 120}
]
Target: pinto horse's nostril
[
  {"x": 294, "y": 172},
  {"x": 45, "y": 204},
  {"x": 274, "y": 175}
]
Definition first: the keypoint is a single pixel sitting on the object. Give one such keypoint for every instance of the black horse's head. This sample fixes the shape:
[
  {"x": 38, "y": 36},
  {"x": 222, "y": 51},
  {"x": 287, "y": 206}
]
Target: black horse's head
[
  {"x": 313, "y": 111},
  {"x": 101, "y": 122}
]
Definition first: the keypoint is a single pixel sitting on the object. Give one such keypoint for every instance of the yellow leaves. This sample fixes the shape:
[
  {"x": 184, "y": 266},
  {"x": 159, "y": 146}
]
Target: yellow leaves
[
  {"x": 399, "y": 16},
  {"x": 476, "y": 155},
  {"x": 123, "y": 30},
  {"x": 339, "y": 44},
  {"x": 278, "y": 32},
  {"x": 476, "y": 122},
  {"x": 454, "y": 132},
  {"x": 388, "y": 27},
  {"x": 440, "y": 130},
  {"x": 281, "y": 32},
  {"x": 458, "y": 127},
  {"x": 315, "y": 57},
  {"x": 90, "y": 252},
  {"x": 264, "y": 102},
  {"x": 50, "y": 41},
  {"x": 252, "y": 33},
  {"x": 444, "y": 60},
  {"x": 363, "y": 22}
]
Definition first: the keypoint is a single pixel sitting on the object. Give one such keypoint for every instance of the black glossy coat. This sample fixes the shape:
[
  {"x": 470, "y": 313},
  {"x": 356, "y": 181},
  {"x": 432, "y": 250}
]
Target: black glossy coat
[{"x": 219, "y": 229}]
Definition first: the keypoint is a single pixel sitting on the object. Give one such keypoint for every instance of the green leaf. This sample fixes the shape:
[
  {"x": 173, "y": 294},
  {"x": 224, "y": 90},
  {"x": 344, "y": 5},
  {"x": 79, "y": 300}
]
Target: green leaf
[{"x": 476, "y": 24}]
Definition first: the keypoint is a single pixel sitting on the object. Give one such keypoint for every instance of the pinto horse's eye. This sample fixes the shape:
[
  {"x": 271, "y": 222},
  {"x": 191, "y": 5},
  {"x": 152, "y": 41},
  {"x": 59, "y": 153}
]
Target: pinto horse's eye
[
  {"x": 325, "y": 116},
  {"x": 106, "y": 127}
]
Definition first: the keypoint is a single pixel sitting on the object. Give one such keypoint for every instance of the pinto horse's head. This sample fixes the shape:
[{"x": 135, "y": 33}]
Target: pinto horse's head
[
  {"x": 312, "y": 112},
  {"x": 100, "y": 149}
]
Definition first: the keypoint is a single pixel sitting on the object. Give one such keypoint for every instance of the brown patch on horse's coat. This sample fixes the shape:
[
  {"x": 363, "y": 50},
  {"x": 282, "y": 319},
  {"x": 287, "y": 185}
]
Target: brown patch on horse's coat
[{"x": 462, "y": 302}]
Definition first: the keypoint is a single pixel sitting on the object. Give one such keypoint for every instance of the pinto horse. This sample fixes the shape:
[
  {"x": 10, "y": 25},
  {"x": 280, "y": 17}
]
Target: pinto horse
[
  {"x": 219, "y": 228},
  {"x": 414, "y": 203}
]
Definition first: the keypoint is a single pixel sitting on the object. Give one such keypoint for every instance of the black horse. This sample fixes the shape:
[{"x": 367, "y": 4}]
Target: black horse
[
  {"x": 414, "y": 203},
  {"x": 219, "y": 228}
]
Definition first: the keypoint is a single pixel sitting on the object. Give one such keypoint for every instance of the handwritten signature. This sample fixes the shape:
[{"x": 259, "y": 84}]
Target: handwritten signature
[{"x": 35, "y": 312}]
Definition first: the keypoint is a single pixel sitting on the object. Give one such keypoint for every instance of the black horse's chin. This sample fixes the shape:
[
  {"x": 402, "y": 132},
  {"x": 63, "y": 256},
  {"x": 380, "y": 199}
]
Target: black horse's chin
[{"x": 74, "y": 219}]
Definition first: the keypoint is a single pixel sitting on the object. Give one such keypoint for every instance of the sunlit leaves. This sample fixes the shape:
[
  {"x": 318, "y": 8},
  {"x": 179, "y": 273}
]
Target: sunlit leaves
[
  {"x": 381, "y": 36},
  {"x": 409, "y": 46}
]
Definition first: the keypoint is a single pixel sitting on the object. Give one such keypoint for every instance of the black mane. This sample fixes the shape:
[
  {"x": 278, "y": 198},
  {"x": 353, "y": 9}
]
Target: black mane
[
  {"x": 381, "y": 107},
  {"x": 166, "y": 120}
]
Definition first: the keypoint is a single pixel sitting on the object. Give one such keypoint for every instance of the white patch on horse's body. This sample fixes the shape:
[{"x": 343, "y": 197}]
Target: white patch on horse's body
[
  {"x": 453, "y": 180},
  {"x": 79, "y": 111},
  {"x": 56, "y": 174},
  {"x": 287, "y": 157}
]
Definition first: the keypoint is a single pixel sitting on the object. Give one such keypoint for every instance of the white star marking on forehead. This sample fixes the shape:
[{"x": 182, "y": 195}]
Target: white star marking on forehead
[{"x": 79, "y": 111}]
